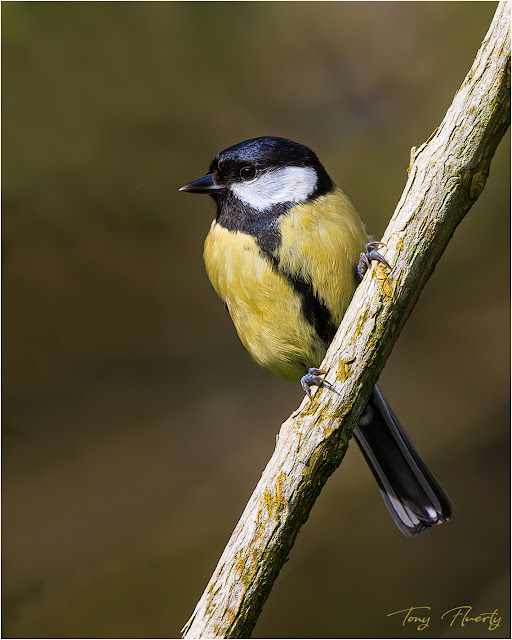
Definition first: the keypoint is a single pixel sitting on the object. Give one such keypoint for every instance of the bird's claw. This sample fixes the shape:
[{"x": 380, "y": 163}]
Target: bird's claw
[
  {"x": 313, "y": 379},
  {"x": 370, "y": 254}
]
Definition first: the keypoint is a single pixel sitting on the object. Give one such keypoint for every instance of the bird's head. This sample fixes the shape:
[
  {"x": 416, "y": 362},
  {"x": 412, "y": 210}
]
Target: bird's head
[{"x": 264, "y": 172}]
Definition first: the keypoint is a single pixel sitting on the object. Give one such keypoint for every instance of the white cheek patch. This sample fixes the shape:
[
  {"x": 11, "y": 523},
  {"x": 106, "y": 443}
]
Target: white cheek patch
[{"x": 289, "y": 184}]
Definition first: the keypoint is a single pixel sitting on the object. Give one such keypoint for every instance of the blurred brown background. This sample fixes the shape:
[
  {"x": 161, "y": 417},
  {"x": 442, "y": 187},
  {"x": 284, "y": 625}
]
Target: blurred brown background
[{"x": 135, "y": 426}]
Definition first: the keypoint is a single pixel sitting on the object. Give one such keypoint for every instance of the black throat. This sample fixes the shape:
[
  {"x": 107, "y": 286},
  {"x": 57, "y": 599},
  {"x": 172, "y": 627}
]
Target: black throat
[{"x": 234, "y": 215}]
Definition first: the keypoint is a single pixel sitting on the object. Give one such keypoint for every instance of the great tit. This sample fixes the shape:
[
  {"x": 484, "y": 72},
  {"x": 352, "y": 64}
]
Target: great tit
[{"x": 283, "y": 254}]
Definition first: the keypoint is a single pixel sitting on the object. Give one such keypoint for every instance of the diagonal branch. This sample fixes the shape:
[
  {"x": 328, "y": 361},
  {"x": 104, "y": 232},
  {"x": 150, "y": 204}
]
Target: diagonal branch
[{"x": 446, "y": 176}]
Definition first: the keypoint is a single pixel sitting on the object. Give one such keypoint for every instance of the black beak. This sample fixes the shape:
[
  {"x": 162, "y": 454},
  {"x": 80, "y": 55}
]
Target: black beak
[{"x": 206, "y": 184}]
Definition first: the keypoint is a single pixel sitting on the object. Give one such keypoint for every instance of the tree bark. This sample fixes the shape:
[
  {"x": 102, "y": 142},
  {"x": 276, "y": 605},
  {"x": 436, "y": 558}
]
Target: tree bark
[{"x": 446, "y": 176}]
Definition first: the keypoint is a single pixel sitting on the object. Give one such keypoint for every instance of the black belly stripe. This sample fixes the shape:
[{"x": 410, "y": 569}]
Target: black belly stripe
[
  {"x": 312, "y": 308},
  {"x": 264, "y": 227}
]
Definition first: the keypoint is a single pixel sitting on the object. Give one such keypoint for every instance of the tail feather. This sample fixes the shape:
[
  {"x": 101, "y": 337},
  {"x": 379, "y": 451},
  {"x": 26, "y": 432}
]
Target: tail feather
[{"x": 413, "y": 497}]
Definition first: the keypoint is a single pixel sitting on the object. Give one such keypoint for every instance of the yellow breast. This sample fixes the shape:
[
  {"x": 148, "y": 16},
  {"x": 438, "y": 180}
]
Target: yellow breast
[{"x": 320, "y": 244}]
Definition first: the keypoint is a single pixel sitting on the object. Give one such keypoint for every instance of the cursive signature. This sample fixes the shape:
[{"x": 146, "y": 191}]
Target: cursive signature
[
  {"x": 421, "y": 617},
  {"x": 461, "y": 615},
  {"x": 422, "y": 622}
]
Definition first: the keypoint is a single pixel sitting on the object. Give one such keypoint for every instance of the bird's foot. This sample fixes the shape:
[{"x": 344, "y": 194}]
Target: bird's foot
[
  {"x": 313, "y": 379},
  {"x": 366, "y": 258}
]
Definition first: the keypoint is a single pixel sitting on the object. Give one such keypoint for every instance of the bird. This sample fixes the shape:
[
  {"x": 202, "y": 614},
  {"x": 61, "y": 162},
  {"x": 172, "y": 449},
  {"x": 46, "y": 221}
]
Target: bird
[{"x": 285, "y": 253}]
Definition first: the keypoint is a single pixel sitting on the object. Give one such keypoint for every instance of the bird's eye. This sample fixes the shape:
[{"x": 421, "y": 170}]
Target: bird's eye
[{"x": 247, "y": 173}]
